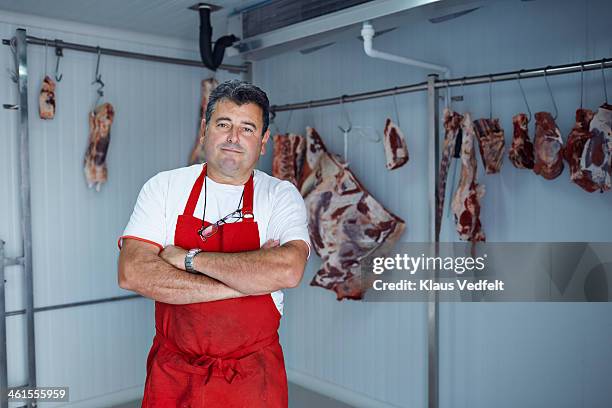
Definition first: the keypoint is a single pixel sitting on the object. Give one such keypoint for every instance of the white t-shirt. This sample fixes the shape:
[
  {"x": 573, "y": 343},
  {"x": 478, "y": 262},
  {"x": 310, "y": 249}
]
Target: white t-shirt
[{"x": 278, "y": 208}]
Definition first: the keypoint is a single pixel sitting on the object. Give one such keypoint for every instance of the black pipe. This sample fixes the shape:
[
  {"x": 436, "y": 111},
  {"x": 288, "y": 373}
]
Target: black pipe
[{"x": 212, "y": 58}]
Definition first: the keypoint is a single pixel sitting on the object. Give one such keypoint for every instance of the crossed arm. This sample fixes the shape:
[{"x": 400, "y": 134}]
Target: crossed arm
[{"x": 221, "y": 275}]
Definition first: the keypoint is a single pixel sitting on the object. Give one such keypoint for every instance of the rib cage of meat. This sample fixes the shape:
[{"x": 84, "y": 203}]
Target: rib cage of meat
[
  {"x": 396, "y": 150},
  {"x": 100, "y": 122},
  {"x": 491, "y": 143},
  {"x": 466, "y": 201},
  {"x": 346, "y": 223},
  {"x": 548, "y": 147},
  {"x": 452, "y": 128},
  {"x": 197, "y": 153},
  {"x": 521, "y": 151},
  {"x": 46, "y": 99},
  {"x": 574, "y": 147},
  {"x": 288, "y": 157},
  {"x": 596, "y": 158}
]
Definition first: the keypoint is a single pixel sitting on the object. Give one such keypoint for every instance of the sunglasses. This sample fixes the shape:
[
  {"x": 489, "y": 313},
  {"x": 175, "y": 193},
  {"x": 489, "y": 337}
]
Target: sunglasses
[{"x": 209, "y": 231}]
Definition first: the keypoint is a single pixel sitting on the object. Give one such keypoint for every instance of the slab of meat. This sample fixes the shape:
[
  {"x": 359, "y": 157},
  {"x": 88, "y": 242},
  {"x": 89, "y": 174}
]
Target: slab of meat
[
  {"x": 346, "y": 223},
  {"x": 197, "y": 153},
  {"x": 521, "y": 151},
  {"x": 466, "y": 201},
  {"x": 574, "y": 147},
  {"x": 46, "y": 99},
  {"x": 548, "y": 147},
  {"x": 288, "y": 157},
  {"x": 396, "y": 150},
  {"x": 100, "y": 122},
  {"x": 452, "y": 131},
  {"x": 596, "y": 160},
  {"x": 491, "y": 143}
]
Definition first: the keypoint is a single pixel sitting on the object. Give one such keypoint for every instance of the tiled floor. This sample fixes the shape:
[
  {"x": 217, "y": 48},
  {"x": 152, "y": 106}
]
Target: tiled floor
[{"x": 298, "y": 398}]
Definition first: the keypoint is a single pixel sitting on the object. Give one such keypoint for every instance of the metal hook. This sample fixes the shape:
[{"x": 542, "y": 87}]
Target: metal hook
[
  {"x": 581, "y": 83},
  {"x": 45, "y": 57},
  {"x": 59, "y": 52},
  {"x": 395, "y": 106},
  {"x": 346, "y": 116},
  {"x": 603, "y": 76},
  {"x": 463, "y": 88},
  {"x": 98, "y": 80},
  {"x": 490, "y": 97},
  {"x": 523, "y": 93},
  {"x": 551, "y": 94},
  {"x": 449, "y": 100}
]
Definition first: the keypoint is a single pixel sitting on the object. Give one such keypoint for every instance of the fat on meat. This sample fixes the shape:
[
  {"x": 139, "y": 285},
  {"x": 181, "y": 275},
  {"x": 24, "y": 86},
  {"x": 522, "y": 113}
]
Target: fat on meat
[
  {"x": 100, "y": 121},
  {"x": 548, "y": 147},
  {"x": 491, "y": 143},
  {"x": 346, "y": 224},
  {"x": 466, "y": 201},
  {"x": 521, "y": 150},
  {"x": 452, "y": 131},
  {"x": 46, "y": 99},
  {"x": 288, "y": 156},
  {"x": 596, "y": 160},
  {"x": 574, "y": 147},
  {"x": 197, "y": 153},
  {"x": 396, "y": 150}
]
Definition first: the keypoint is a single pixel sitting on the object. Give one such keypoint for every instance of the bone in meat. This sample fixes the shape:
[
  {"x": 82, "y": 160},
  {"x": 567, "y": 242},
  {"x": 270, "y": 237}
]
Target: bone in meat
[
  {"x": 396, "y": 151},
  {"x": 491, "y": 143},
  {"x": 197, "y": 153},
  {"x": 521, "y": 151},
  {"x": 46, "y": 99},
  {"x": 100, "y": 122},
  {"x": 346, "y": 223},
  {"x": 548, "y": 147}
]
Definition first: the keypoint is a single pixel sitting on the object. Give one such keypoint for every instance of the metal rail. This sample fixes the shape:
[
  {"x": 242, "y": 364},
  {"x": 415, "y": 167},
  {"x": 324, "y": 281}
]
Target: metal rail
[
  {"x": 125, "y": 54},
  {"x": 74, "y": 304},
  {"x": 444, "y": 83}
]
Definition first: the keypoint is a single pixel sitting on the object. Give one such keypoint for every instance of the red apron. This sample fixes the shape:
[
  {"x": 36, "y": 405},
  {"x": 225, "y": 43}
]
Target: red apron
[{"x": 224, "y": 353}]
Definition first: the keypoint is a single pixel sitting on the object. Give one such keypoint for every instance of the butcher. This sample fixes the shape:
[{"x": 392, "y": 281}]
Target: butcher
[{"x": 214, "y": 244}]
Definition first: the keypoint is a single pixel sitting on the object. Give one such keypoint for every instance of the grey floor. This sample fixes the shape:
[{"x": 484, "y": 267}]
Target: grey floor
[{"x": 298, "y": 398}]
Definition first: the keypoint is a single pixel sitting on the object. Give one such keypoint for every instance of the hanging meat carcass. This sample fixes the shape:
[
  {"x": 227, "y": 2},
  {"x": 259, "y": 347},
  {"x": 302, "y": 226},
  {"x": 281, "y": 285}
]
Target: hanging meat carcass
[
  {"x": 396, "y": 150},
  {"x": 46, "y": 99},
  {"x": 466, "y": 201},
  {"x": 288, "y": 157},
  {"x": 548, "y": 147},
  {"x": 596, "y": 160},
  {"x": 346, "y": 223},
  {"x": 197, "y": 153},
  {"x": 100, "y": 122},
  {"x": 521, "y": 151},
  {"x": 491, "y": 143},
  {"x": 452, "y": 129},
  {"x": 574, "y": 147}
]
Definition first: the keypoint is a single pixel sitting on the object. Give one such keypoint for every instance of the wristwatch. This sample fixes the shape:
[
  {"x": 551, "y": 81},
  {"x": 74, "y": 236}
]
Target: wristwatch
[{"x": 189, "y": 259}]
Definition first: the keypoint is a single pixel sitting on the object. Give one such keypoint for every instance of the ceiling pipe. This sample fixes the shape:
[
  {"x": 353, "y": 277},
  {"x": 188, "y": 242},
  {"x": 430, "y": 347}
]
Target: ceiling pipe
[
  {"x": 367, "y": 32},
  {"x": 211, "y": 58}
]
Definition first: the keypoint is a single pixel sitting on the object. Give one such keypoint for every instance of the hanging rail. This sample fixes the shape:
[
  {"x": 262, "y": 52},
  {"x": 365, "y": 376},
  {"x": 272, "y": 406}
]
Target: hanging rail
[
  {"x": 443, "y": 83},
  {"x": 126, "y": 54}
]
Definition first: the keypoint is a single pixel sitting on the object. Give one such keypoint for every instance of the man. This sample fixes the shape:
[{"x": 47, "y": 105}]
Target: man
[{"x": 217, "y": 279}]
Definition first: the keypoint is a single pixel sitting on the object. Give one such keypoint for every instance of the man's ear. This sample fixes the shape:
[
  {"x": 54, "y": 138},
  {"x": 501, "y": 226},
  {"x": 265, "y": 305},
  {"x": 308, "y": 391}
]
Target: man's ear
[
  {"x": 264, "y": 141},
  {"x": 203, "y": 129}
]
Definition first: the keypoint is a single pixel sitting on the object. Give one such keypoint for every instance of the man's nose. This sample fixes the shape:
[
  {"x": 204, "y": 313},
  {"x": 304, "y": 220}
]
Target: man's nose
[{"x": 234, "y": 136}]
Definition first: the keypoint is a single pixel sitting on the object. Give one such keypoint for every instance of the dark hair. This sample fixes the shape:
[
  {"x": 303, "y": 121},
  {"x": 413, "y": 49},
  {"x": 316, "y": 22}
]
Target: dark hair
[{"x": 239, "y": 92}]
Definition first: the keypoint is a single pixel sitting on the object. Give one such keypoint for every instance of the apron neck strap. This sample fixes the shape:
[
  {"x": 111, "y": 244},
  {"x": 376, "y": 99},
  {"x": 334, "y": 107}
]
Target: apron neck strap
[{"x": 247, "y": 207}]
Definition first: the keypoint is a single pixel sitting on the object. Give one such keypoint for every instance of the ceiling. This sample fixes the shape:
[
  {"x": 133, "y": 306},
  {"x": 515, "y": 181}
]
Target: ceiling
[{"x": 169, "y": 18}]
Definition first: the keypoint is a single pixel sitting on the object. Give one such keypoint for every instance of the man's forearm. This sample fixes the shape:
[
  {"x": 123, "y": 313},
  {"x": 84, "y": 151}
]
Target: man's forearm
[
  {"x": 154, "y": 278},
  {"x": 255, "y": 272}
]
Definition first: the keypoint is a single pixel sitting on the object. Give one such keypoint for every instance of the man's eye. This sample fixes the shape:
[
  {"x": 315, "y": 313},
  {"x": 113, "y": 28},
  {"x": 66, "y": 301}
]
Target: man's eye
[
  {"x": 222, "y": 125},
  {"x": 248, "y": 129}
]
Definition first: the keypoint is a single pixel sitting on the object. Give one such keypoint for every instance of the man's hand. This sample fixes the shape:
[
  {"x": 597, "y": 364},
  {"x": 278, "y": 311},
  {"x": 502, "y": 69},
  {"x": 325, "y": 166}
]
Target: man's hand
[{"x": 175, "y": 255}]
